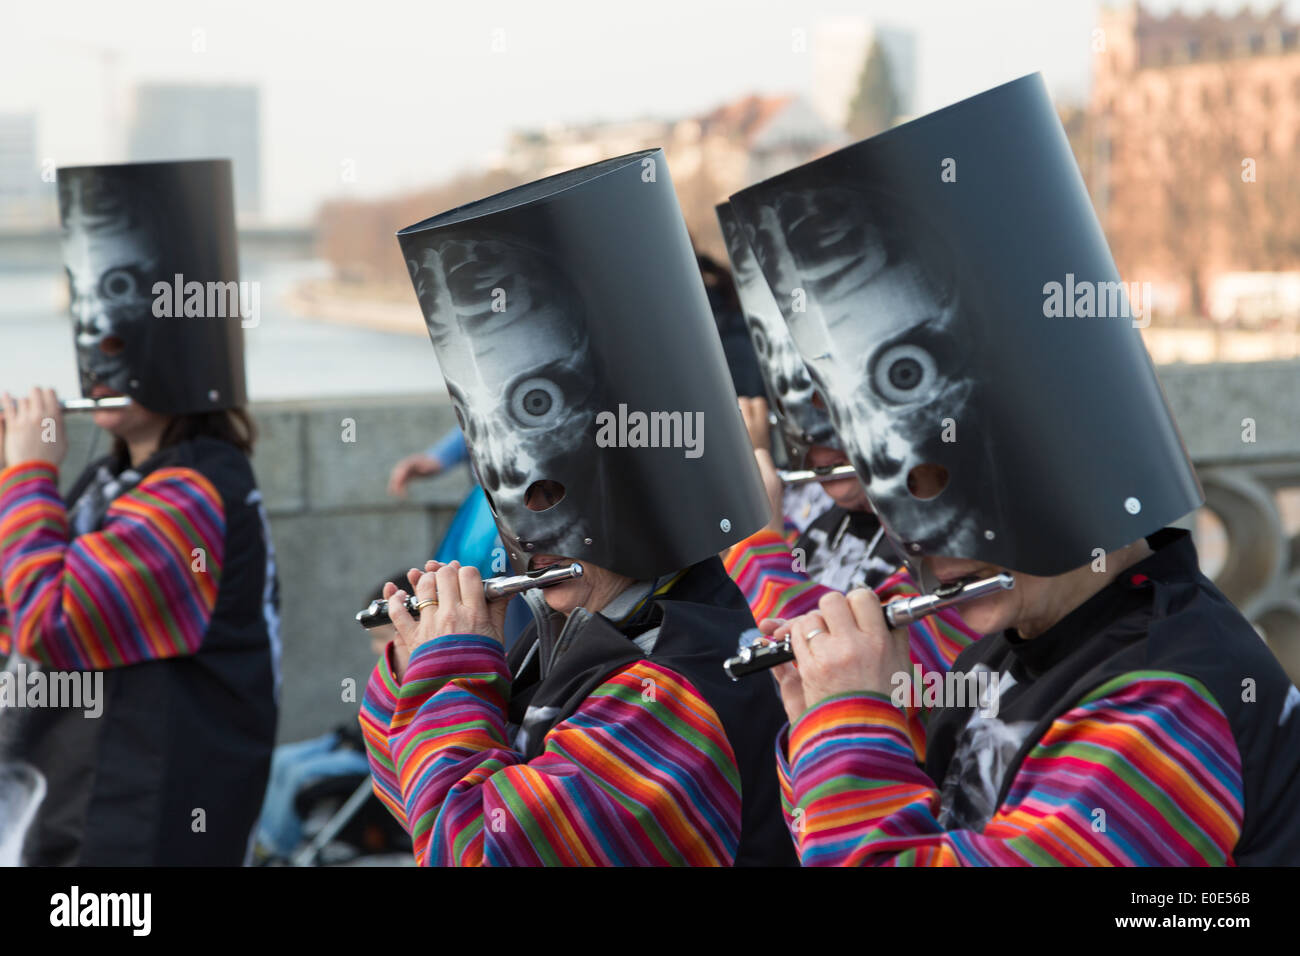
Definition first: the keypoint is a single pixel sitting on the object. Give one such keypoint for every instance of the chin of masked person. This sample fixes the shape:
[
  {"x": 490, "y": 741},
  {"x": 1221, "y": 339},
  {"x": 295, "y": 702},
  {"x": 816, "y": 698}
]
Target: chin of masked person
[
  {"x": 575, "y": 340},
  {"x": 150, "y": 586},
  {"x": 1120, "y": 710}
]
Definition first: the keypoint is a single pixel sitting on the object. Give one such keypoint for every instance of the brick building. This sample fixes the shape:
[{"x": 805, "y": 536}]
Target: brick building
[{"x": 1191, "y": 149}]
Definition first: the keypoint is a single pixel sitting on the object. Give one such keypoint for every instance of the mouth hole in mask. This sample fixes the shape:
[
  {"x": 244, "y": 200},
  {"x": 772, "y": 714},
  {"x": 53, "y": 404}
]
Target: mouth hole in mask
[
  {"x": 927, "y": 481},
  {"x": 112, "y": 345},
  {"x": 543, "y": 495}
]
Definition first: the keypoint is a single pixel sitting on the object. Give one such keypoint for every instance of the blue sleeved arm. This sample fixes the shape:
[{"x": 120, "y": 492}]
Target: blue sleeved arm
[{"x": 450, "y": 449}]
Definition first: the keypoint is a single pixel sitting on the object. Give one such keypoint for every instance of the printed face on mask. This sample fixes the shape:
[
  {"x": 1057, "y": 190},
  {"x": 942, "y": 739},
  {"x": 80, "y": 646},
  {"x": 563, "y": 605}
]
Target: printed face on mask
[
  {"x": 873, "y": 301},
  {"x": 783, "y": 368},
  {"x": 512, "y": 344},
  {"x": 110, "y": 255}
]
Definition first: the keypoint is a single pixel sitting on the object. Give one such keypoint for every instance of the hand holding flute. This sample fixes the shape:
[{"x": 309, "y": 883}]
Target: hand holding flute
[
  {"x": 494, "y": 589},
  {"x": 451, "y": 600},
  {"x": 778, "y": 649},
  {"x": 32, "y": 428},
  {"x": 847, "y": 645}
]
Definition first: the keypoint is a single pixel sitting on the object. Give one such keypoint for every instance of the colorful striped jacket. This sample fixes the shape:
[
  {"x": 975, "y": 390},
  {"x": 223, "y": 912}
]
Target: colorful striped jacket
[
  {"x": 126, "y": 593},
  {"x": 1150, "y": 726},
  {"x": 641, "y": 774},
  {"x": 601, "y": 739}
]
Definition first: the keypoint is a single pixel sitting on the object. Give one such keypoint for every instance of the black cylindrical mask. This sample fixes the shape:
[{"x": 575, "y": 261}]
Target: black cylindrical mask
[
  {"x": 800, "y": 423},
  {"x": 153, "y": 273},
  {"x": 574, "y": 333},
  {"x": 924, "y": 275}
]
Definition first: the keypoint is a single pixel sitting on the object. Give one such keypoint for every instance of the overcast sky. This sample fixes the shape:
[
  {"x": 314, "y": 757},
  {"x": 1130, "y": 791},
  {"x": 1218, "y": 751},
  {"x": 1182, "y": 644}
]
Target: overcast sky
[{"x": 411, "y": 92}]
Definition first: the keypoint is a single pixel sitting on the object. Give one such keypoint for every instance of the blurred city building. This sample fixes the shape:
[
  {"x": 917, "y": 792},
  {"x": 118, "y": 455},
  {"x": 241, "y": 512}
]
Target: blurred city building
[
  {"x": 709, "y": 157},
  {"x": 26, "y": 201},
  {"x": 184, "y": 121},
  {"x": 1190, "y": 144}
]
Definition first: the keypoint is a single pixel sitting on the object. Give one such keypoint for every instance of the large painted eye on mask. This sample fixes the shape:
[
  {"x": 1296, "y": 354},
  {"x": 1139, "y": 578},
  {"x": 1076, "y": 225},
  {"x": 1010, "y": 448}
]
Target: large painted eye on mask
[
  {"x": 119, "y": 283},
  {"x": 904, "y": 373},
  {"x": 536, "y": 402}
]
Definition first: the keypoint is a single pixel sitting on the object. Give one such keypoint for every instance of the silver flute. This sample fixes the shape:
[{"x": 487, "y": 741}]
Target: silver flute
[
  {"x": 806, "y": 476},
  {"x": 91, "y": 404},
  {"x": 494, "y": 589},
  {"x": 766, "y": 653},
  {"x": 94, "y": 404}
]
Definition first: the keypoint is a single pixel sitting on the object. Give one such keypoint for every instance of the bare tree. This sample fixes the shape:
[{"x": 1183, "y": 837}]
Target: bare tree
[{"x": 875, "y": 104}]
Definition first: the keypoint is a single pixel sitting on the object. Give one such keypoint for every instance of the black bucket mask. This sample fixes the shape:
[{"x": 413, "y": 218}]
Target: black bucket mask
[
  {"x": 914, "y": 270},
  {"x": 136, "y": 239},
  {"x": 563, "y": 313}
]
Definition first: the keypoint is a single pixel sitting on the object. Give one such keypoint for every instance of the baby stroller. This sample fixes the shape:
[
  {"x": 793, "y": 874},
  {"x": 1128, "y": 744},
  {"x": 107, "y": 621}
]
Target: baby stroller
[{"x": 321, "y": 810}]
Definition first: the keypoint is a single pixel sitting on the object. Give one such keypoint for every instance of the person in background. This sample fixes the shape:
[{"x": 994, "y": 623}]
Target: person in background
[
  {"x": 155, "y": 574},
  {"x": 448, "y": 452}
]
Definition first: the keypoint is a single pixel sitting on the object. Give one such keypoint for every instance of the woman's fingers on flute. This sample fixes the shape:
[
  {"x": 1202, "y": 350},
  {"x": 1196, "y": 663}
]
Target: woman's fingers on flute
[
  {"x": 400, "y": 617},
  {"x": 414, "y": 576},
  {"x": 51, "y": 402},
  {"x": 867, "y": 613},
  {"x": 478, "y": 615},
  {"x": 448, "y": 578},
  {"x": 471, "y": 588}
]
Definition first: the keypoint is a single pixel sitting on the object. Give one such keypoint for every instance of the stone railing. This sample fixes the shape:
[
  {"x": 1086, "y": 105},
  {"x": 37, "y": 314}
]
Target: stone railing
[
  {"x": 323, "y": 467},
  {"x": 1241, "y": 424}
]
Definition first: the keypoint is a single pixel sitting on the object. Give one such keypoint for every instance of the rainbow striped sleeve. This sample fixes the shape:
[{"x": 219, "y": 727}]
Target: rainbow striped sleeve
[
  {"x": 641, "y": 774},
  {"x": 767, "y": 573},
  {"x": 1142, "y": 771},
  {"x": 764, "y": 569},
  {"x": 141, "y": 588}
]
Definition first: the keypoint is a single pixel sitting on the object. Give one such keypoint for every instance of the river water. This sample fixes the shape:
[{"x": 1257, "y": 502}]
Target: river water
[{"x": 287, "y": 357}]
